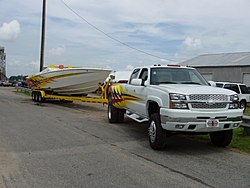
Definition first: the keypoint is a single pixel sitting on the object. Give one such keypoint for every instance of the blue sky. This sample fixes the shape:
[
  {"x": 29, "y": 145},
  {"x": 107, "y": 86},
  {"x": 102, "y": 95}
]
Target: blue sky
[{"x": 166, "y": 30}]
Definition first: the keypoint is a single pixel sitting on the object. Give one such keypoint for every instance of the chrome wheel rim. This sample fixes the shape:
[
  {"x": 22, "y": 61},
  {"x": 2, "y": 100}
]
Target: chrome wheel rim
[
  {"x": 242, "y": 106},
  {"x": 152, "y": 131},
  {"x": 109, "y": 111}
]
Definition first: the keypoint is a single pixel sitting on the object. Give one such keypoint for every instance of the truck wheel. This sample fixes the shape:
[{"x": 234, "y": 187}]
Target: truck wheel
[
  {"x": 243, "y": 105},
  {"x": 121, "y": 113},
  {"x": 112, "y": 113},
  {"x": 115, "y": 115},
  {"x": 221, "y": 138},
  {"x": 157, "y": 135}
]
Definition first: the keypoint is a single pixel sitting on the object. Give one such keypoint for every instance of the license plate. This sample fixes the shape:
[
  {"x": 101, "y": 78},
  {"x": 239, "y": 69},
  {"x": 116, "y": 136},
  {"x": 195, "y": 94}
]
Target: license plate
[{"x": 212, "y": 123}]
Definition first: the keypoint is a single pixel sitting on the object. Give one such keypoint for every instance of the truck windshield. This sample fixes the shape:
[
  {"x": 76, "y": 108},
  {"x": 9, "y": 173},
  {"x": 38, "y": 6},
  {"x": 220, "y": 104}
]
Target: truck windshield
[{"x": 176, "y": 76}]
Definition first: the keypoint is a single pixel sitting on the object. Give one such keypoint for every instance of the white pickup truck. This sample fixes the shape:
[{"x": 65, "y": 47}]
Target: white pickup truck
[{"x": 175, "y": 99}]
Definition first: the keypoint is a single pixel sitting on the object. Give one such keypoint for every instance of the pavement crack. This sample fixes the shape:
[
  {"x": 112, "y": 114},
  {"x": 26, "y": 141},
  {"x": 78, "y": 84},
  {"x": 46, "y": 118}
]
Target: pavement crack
[{"x": 173, "y": 170}]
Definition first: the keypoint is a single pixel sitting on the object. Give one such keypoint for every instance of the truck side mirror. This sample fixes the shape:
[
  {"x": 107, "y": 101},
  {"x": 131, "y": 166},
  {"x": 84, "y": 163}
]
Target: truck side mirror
[{"x": 137, "y": 82}]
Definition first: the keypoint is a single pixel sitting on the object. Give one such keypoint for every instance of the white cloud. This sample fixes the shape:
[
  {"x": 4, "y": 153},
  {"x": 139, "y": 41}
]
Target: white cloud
[
  {"x": 192, "y": 46},
  {"x": 10, "y": 31},
  {"x": 129, "y": 67},
  {"x": 34, "y": 64},
  {"x": 17, "y": 67},
  {"x": 57, "y": 51},
  {"x": 176, "y": 30}
]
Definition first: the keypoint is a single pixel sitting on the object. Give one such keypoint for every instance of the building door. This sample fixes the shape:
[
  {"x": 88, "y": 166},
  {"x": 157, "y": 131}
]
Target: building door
[{"x": 246, "y": 79}]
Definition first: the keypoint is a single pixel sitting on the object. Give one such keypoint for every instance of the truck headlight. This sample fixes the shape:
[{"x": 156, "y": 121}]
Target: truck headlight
[
  {"x": 177, "y": 101},
  {"x": 234, "y": 98},
  {"x": 234, "y": 102},
  {"x": 177, "y": 96}
]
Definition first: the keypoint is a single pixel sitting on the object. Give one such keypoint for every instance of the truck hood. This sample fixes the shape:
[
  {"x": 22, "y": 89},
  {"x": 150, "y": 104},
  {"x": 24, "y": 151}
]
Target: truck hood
[{"x": 188, "y": 89}]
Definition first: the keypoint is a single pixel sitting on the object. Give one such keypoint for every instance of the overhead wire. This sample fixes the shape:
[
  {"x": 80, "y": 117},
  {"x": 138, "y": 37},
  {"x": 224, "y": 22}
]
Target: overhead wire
[{"x": 113, "y": 37}]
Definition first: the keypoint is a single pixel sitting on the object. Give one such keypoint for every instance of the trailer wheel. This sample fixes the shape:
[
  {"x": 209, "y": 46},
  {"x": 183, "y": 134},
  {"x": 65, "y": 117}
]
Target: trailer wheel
[
  {"x": 221, "y": 138},
  {"x": 36, "y": 96},
  {"x": 39, "y": 97},
  {"x": 33, "y": 95},
  {"x": 156, "y": 134}
]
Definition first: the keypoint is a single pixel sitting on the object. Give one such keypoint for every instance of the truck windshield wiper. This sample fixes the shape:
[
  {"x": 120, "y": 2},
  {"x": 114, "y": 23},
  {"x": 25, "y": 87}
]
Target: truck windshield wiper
[
  {"x": 166, "y": 82},
  {"x": 190, "y": 83}
]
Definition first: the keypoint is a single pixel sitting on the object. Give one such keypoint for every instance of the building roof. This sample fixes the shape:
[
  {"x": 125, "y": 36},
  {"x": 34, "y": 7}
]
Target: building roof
[{"x": 218, "y": 60}]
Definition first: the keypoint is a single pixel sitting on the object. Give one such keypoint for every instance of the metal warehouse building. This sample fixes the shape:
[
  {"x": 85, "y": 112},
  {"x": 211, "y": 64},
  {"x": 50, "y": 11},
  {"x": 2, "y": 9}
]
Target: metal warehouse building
[{"x": 225, "y": 67}]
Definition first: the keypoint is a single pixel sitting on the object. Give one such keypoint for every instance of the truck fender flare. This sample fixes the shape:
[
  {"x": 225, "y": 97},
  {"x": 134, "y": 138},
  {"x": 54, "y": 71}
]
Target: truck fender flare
[
  {"x": 115, "y": 96},
  {"x": 158, "y": 100}
]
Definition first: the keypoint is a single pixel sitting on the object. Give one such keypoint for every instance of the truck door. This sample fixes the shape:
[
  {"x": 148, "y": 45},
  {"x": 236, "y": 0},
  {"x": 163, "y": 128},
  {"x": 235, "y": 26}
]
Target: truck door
[{"x": 138, "y": 106}]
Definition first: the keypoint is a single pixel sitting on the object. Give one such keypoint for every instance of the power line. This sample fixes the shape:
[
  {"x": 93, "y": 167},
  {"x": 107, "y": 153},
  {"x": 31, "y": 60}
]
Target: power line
[{"x": 111, "y": 36}]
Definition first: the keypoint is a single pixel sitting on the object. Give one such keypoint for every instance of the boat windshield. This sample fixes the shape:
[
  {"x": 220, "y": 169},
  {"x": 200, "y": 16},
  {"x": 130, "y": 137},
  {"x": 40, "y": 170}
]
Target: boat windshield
[{"x": 176, "y": 76}]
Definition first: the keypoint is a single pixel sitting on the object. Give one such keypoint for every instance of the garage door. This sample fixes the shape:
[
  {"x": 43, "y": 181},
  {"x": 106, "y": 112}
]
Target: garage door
[
  {"x": 246, "y": 79},
  {"x": 208, "y": 76}
]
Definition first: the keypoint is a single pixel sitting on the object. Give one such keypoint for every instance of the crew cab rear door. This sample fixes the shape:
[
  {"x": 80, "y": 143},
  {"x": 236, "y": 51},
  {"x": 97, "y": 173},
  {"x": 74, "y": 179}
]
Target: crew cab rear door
[{"x": 138, "y": 90}]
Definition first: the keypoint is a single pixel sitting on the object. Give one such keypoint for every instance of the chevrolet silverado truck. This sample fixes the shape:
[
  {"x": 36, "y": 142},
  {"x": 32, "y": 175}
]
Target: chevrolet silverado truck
[{"x": 175, "y": 99}]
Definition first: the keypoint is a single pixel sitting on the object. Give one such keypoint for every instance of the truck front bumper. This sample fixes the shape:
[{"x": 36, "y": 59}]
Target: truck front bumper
[{"x": 200, "y": 121}]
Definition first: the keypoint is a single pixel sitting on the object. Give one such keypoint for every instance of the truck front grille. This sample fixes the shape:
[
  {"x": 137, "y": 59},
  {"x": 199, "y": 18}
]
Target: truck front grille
[
  {"x": 206, "y": 97},
  {"x": 208, "y": 106},
  {"x": 216, "y": 97}
]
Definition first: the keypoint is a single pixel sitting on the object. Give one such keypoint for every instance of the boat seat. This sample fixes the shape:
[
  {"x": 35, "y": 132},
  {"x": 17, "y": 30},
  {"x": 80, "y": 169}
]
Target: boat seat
[{"x": 61, "y": 66}]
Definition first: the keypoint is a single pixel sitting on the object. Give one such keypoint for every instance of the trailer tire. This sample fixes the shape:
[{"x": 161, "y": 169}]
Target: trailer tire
[
  {"x": 39, "y": 97},
  {"x": 36, "y": 96},
  {"x": 33, "y": 96},
  {"x": 221, "y": 138},
  {"x": 156, "y": 134}
]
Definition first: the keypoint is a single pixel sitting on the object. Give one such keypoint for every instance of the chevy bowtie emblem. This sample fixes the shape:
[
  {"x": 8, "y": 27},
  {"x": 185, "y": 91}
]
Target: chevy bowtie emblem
[{"x": 210, "y": 102}]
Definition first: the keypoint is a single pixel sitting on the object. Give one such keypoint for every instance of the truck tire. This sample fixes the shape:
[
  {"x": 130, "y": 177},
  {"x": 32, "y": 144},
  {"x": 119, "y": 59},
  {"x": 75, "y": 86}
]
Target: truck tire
[
  {"x": 243, "y": 105},
  {"x": 156, "y": 134},
  {"x": 121, "y": 113},
  {"x": 113, "y": 113},
  {"x": 221, "y": 138}
]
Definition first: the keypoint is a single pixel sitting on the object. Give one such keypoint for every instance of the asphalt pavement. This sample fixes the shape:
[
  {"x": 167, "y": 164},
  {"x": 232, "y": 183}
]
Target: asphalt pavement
[{"x": 58, "y": 144}]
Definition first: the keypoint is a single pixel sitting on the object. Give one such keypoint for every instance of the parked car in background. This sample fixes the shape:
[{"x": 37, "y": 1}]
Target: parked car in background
[
  {"x": 1, "y": 83},
  {"x": 241, "y": 89},
  {"x": 6, "y": 84}
]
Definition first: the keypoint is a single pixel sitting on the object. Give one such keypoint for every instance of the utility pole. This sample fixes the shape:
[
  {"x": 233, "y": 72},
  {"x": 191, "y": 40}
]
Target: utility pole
[{"x": 43, "y": 36}]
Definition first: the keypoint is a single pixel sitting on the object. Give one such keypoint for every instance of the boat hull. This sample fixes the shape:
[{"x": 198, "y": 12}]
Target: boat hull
[{"x": 69, "y": 81}]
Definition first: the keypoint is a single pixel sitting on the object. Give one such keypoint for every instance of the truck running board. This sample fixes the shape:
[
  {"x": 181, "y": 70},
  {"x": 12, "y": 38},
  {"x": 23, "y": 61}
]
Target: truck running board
[{"x": 135, "y": 117}]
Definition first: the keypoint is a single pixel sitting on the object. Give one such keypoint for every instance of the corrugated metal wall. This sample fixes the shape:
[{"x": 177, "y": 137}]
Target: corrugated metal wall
[{"x": 227, "y": 74}]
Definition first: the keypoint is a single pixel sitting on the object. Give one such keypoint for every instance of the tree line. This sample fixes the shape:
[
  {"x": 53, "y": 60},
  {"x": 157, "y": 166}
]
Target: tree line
[{"x": 18, "y": 78}]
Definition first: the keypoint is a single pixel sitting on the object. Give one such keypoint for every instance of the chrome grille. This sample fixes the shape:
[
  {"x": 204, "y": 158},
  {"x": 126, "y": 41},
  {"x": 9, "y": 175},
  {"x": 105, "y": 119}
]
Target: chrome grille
[
  {"x": 207, "y": 106},
  {"x": 216, "y": 97},
  {"x": 206, "y": 97}
]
